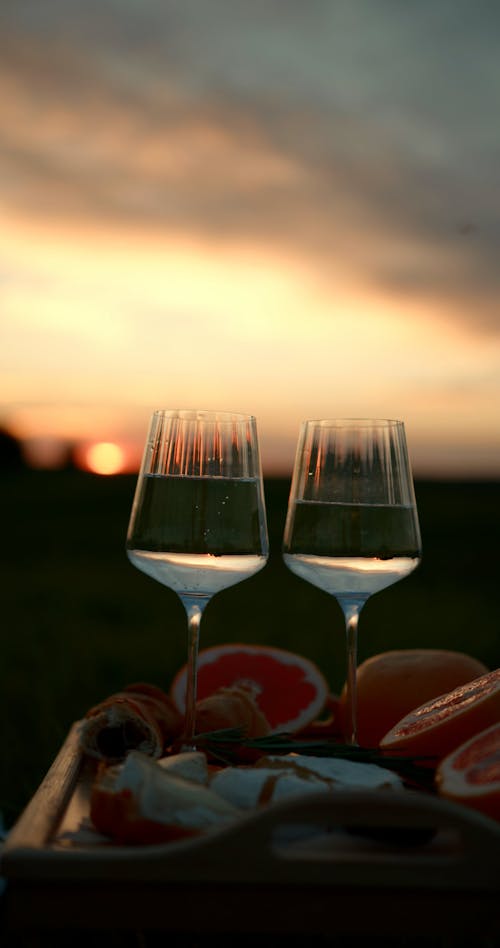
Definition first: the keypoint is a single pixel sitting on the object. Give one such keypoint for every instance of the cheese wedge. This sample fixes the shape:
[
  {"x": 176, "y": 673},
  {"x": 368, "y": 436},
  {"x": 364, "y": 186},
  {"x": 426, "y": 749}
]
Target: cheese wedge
[
  {"x": 191, "y": 765},
  {"x": 276, "y": 777},
  {"x": 249, "y": 787},
  {"x": 140, "y": 802},
  {"x": 335, "y": 771}
]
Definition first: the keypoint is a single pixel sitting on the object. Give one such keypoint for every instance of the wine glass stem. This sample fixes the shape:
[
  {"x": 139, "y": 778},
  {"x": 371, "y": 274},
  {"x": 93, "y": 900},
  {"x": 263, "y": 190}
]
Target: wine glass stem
[
  {"x": 194, "y": 607},
  {"x": 351, "y": 613}
]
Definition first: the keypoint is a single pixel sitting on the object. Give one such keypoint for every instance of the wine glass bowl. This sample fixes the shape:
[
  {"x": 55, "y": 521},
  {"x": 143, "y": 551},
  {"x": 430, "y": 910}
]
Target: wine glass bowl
[
  {"x": 198, "y": 521},
  {"x": 352, "y": 526}
]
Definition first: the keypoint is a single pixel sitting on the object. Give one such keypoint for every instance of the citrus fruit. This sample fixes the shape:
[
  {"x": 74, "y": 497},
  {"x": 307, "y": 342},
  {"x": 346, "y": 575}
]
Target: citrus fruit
[
  {"x": 471, "y": 773},
  {"x": 391, "y": 684},
  {"x": 289, "y": 689},
  {"x": 439, "y": 726}
]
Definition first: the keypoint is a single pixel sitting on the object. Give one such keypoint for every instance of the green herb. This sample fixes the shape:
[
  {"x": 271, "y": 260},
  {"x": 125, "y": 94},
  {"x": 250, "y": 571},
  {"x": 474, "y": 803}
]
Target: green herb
[{"x": 230, "y": 746}]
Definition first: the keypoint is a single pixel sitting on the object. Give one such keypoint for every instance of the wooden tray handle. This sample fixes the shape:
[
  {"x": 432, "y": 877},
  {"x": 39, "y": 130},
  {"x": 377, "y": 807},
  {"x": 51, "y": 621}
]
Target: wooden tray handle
[
  {"x": 42, "y": 814},
  {"x": 358, "y": 809}
]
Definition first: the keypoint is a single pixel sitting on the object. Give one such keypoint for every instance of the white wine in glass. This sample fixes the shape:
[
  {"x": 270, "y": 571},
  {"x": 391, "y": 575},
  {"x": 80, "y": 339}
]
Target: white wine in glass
[
  {"x": 352, "y": 525},
  {"x": 198, "y": 522}
]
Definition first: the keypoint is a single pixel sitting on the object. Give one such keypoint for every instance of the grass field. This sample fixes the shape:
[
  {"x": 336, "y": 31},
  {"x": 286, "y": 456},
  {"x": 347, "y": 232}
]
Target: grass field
[{"x": 78, "y": 621}]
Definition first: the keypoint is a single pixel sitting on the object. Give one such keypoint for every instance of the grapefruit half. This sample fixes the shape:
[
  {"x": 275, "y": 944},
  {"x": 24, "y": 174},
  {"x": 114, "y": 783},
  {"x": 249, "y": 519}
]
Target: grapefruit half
[
  {"x": 393, "y": 683},
  {"x": 439, "y": 726},
  {"x": 289, "y": 689},
  {"x": 471, "y": 773}
]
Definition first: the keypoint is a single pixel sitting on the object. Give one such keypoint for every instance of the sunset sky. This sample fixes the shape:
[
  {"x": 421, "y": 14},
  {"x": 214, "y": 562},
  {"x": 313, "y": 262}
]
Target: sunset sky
[{"x": 285, "y": 207}]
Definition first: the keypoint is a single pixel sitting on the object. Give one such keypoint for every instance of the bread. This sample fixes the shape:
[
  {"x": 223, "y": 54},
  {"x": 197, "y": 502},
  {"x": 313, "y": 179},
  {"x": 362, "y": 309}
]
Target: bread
[
  {"x": 233, "y": 707},
  {"x": 141, "y": 717}
]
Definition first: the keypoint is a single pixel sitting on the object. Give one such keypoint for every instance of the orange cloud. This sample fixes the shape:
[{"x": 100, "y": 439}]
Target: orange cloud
[{"x": 256, "y": 224}]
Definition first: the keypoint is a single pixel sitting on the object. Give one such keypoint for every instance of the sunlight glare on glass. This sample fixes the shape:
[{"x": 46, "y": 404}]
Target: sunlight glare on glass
[{"x": 105, "y": 458}]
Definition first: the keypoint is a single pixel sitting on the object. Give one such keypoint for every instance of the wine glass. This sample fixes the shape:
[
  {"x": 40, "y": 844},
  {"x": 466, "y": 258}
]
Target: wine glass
[
  {"x": 352, "y": 525},
  {"x": 198, "y": 522}
]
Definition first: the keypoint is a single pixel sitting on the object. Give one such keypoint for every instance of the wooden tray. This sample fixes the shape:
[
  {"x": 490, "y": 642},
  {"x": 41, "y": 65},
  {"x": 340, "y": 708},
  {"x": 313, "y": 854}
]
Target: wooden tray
[{"x": 313, "y": 848}]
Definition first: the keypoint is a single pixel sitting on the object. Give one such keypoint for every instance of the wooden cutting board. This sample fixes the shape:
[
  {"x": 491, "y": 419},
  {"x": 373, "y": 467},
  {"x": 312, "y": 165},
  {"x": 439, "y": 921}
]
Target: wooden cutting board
[{"x": 351, "y": 848}]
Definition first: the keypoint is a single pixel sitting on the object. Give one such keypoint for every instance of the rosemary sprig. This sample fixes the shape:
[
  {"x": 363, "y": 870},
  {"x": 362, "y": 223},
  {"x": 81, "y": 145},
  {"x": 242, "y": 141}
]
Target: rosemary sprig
[{"x": 229, "y": 745}]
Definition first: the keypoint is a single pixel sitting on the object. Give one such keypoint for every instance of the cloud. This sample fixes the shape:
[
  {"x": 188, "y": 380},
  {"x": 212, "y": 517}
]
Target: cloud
[{"x": 361, "y": 137}]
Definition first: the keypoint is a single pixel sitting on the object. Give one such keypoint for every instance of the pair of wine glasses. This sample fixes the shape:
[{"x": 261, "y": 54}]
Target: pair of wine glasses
[{"x": 198, "y": 521}]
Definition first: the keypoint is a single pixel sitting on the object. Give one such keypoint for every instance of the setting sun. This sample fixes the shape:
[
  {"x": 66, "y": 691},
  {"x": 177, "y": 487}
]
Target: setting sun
[
  {"x": 293, "y": 243},
  {"x": 104, "y": 458}
]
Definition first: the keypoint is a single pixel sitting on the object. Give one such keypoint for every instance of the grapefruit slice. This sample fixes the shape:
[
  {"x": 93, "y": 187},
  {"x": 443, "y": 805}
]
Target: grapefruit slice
[
  {"x": 288, "y": 689},
  {"x": 393, "y": 683},
  {"x": 439, "y": 726},
  {"x": 471, "y": 773}
]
